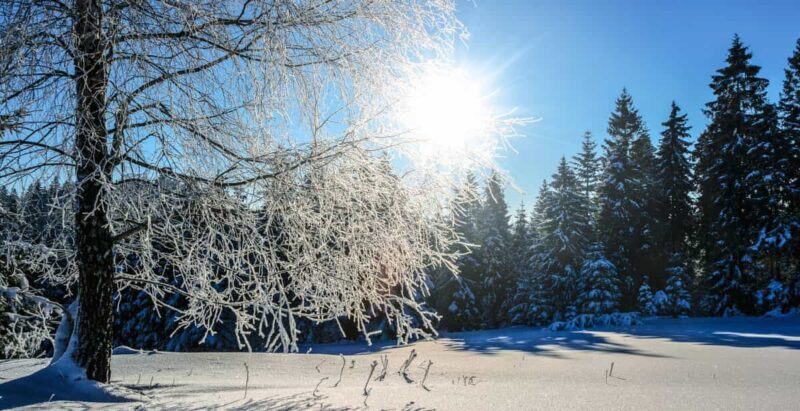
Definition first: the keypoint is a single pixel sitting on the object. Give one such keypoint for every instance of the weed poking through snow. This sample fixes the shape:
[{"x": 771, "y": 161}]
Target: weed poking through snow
[
  {"x": 366, "y": 384},
  {"x": 247, "y": 379},
  {"x": 344, "y": 362},
  {"x": 403, "y": 371}
]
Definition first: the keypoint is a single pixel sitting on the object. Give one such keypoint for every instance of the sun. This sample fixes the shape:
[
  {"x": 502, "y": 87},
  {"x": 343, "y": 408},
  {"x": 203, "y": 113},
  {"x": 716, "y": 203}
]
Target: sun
[{"x": 447, "y": 110}]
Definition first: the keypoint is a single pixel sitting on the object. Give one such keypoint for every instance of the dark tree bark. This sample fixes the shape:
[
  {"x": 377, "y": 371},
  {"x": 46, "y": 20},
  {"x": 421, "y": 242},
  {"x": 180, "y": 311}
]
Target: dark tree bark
[{"x": 93, "y": 238}]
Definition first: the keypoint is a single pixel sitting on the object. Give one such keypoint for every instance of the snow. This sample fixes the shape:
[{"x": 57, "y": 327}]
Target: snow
[{"x": 697, "y": 363}]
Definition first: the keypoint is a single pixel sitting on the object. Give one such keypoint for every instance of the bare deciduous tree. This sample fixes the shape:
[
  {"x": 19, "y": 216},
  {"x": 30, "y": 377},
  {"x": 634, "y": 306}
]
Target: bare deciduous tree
[{"x": 240, "y": 137}]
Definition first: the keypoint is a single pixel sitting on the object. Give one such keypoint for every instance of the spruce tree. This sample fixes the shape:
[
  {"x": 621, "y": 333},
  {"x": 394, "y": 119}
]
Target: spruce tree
[
  {"x": 453, "y": 296},
  {"x": 497, "y": 279},
  {"x": 530, "y": 303},
  {"x": 789, "y": 115},
  {"x": 645, "y": 299},
  {"x": 587, "y": 171},
  {"x": 564, "y": 232},
  {"x": 789, "y": 112},
  {"x": 677, "y": 288},
  {"x": 599, "y": 282},
  {"x": 648, "y": 257},
  {"x": 618, "y": 206},
  {"x": 675, "y": 217},
  {"x": 674, "y": 174},
  {"x": 520, "y": 251},
  {"x": 768, "y": 183},
  {"x": 729, "y": 215}
]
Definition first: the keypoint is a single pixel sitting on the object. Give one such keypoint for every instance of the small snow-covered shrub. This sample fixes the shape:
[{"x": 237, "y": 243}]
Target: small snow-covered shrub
[
  {"x": 646, "y": 299},
  {"x": 599, "y": 285},
  {"x": 661, "y": 301}
]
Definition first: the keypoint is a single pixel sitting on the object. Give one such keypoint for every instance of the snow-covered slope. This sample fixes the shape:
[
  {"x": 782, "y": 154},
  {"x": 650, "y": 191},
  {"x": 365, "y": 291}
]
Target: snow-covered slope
[{"x": 733, "y": 363}]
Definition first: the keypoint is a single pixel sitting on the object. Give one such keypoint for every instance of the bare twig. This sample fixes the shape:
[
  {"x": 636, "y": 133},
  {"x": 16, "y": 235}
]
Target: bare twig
[
  {"x": 366, "y": 384},
  {"x": 314, "y": 393},
  {"x": 247, "y": 379},
  {"x": 403, "y": 371},
  {"x": 344, "y": 362},
  {"x": 384, "y": 369},
  {"x": 424, "y": 378}
]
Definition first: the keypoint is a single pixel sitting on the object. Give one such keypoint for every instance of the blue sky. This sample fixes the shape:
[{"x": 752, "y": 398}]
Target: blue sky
[{"x": 565, "y": 62}]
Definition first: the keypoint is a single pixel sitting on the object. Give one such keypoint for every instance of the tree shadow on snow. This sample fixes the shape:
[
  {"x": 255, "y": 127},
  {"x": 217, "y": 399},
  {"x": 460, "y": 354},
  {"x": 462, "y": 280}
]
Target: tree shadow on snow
[
  {"x": 537, "y": 342},
  {"x": 302, "y": 401},
  {"x": 744, "y": 332}
]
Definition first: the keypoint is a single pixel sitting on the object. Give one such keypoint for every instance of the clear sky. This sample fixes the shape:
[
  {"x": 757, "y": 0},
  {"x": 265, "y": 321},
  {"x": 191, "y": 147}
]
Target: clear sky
[{"x": 565, "y": 62}]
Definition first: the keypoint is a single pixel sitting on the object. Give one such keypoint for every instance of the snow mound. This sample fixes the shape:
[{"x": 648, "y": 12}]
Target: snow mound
[
  {"x": 583, "y": 321},
  {"x": 60, "y": 381},
  {"x": 125, "y": 350}
]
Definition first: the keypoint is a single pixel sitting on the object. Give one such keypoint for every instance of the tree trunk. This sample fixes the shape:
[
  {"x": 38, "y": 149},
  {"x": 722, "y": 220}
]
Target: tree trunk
[{"x": 93, "y": 238}]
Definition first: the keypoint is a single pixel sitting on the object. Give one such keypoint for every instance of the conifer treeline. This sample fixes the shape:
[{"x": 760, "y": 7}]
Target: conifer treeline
[{"x": 669, "y": 230}]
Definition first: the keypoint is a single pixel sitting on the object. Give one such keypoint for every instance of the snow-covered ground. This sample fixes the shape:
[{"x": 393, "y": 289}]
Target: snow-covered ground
[{"x": 733, "y": 363}]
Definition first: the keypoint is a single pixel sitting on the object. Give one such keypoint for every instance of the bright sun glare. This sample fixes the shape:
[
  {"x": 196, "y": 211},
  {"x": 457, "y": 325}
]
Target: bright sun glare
[{"x": 448, "y": 111}]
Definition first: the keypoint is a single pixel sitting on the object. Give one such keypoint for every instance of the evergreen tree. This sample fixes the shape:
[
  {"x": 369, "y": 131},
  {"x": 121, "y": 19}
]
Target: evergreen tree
[
  {"x": 646, "y": 300},
  {"x": 675, "y": 219},
  {"x": 618, "y": 206},
  {"x": 9, "y": 203},
  {"x": 599, "y": 283},
  {"x": 789, "y": 111},
  {"x": 519, "y": 231},
  {"x": 648, "y": 258},
  {"x": 677, "y": 288},
  {"x": 674, "y": 174},
  {"x": 530, "y": 303},
  {"x": 453, "y": 296},
  {"x": 789, "y": 115},
  {"x": 497, "y": 279},
  {"x": 564, "y": 232},
  {"x": 35, "y": 205},
  {"x": 767, "y": 182},
  {"x": 729, "y": 219},
  {"x": 587, "y": 171},
  {"x": 520, "y": 245}
]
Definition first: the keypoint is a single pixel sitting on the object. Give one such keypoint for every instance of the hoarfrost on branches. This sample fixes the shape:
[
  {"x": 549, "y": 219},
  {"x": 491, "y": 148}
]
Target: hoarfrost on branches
[{"x": 238, "y": 143}]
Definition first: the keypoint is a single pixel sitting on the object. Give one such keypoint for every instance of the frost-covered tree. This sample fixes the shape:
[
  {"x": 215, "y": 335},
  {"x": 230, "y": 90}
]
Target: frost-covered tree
[
  {"x": 599, "y": 283},
  {"x": 162, "y": 112},
  {"x": 497, "y": 271},
  {"x": 729, "y": 224}
]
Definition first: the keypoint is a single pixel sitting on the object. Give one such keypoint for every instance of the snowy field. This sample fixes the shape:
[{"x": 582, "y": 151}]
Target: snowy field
[{"x": 734, "y": 363}]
